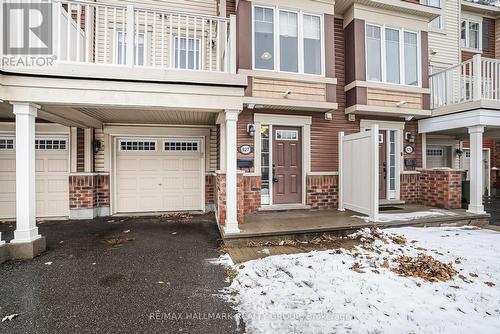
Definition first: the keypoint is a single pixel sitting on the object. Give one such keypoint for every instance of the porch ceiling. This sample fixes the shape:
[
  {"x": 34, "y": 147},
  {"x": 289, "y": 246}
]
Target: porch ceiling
[{"x": 96, "y": 116}]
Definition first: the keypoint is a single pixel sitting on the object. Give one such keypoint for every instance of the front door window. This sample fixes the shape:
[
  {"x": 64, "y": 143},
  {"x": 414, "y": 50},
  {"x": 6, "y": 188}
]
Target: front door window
[{"x": 264, "y": 165}]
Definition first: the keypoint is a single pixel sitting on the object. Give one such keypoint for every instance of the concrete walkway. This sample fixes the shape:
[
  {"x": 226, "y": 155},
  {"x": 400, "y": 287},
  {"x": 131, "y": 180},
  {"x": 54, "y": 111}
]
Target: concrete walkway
[{"x": 302, "y": 223}]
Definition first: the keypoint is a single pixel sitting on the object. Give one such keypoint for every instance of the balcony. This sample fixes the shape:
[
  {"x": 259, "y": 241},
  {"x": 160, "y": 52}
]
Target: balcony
[
  {"x": 139, "y": 42},
  {"x": 473, "y": 84}
]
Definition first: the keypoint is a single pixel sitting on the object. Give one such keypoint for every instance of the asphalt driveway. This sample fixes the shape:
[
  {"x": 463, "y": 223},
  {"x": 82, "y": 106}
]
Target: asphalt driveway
[{"x": 159, "y": 281}]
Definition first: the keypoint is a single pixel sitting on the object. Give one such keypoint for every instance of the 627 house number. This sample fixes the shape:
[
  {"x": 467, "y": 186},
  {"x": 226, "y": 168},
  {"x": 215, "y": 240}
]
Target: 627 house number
[{"x": 245, "y": 149}]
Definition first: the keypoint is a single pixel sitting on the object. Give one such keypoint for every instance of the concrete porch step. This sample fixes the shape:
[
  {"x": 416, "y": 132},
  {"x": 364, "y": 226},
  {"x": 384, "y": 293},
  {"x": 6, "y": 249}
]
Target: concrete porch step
[{"x": 283, "y": 207}]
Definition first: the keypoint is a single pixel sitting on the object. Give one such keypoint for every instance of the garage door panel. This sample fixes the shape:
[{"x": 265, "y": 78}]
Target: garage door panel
[
  {"x": 57, "y": 165},
  {"x": 8, "y": 187},
  {"x": 171, "y": 164},
  {"x": 39, "y": 165},
  {"x": 191, "y": 164},
  {"x": 150, "y": 164},
  {"x": 164, "y": 181},
  {"x": 7, "y": 165},
  {"x": 57, "y": 186}
]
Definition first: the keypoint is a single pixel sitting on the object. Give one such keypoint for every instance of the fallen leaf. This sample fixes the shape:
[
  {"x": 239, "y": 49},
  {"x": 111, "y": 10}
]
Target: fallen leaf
[
  {"x": 454, "y": 286},
  {"x": 473, "y": 274},
  {"x": 9, "y": 317},
  {"x": 375, "y": 271},
  {"x": 241, "y": 266},
  {"x": 490, "y": 284},
  {"x": 385, "y": 264}
]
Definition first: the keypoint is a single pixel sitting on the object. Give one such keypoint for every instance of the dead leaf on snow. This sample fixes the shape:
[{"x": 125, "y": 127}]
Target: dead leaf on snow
[
  {"x": 490, "y": 284},
  {"x": 375, "y": 271},
  {"x": 385, "y": 264},
  {"x": 473, "y": 275},
  {"x": 9, "y": 317},
  {"x": 454, "y": 286},
  {"x": 425, "y": 267},
  {"x": 241, "y": 266},
  {"x": 357, "y": 268}
]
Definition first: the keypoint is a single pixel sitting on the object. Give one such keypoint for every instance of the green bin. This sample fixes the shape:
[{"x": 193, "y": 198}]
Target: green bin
[{"x": 466, "y": 192}]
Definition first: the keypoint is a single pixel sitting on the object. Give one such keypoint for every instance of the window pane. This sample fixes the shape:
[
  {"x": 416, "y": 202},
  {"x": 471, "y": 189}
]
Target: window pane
[
  {"x": 289, "y": 42},
  {"x": 474, "y": 35},
  {"x": 374, "y": 68},
  {"x": 463, "y": 34},
  {"x": 312, "y": 44},
  {"x": 411, "y": 59},
  {"x": 193, "y": 53},
  {"x": 436, "y": 23},
  {"x": 392, "y": 55},
  {"x": 264, "y": 38}
]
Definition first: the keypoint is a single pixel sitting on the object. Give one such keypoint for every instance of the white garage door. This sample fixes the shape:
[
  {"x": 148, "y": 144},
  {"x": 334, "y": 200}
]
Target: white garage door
[
  {"x": 159, "y": 175},
  {"x": 52, "y": 177}
]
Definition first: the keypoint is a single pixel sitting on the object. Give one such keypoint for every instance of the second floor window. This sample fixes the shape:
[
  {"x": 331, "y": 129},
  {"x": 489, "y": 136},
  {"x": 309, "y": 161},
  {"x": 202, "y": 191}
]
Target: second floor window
[
  {"x": 288, "y": 41},
  {"x": 187, "y": 53},
  {"x": 392, "y": 55},
  {"x": 121, "y": 48},
  {"x": 470, "y": 34}
]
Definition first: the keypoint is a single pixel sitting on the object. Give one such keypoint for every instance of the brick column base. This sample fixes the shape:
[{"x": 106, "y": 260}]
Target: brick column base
[
  {"x": 248, "y": 196},
  {"x": 440, "y": 188},
  {"x": 88, "y": 195}
]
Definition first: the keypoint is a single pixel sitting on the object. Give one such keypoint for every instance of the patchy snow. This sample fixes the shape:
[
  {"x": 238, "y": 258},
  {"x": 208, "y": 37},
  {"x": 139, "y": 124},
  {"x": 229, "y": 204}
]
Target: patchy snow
[
  {"x": 406, "y": 216},
  {"x": 318, "y": 292}
]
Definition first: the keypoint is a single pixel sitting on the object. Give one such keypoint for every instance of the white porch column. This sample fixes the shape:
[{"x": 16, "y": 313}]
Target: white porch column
[
  {"x": 231, "y": 224},
  {"x": 476, "y": 169},
  {"x": 26, "y": 230},
  {"x": 1, "y": 241}
]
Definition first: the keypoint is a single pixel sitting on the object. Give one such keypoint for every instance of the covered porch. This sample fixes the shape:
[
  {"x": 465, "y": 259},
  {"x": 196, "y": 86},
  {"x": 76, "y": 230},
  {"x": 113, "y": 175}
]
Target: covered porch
[{"x": 304, "y": 224}]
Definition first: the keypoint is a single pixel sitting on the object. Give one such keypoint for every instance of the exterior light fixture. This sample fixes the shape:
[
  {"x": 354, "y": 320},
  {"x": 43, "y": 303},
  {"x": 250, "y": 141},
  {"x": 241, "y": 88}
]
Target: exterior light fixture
[
  {"x": 459, "y": 152},
  {"x": 251, "y": 130},
  {"x": 328, "y": 116},
  {"x": 266, "y": 56}
]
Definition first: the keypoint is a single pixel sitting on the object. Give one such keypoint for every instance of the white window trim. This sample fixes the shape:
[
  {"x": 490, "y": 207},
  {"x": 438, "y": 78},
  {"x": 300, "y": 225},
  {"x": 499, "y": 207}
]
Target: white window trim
[
  {"x": 467, "y": 46},
  {"x": 137, "y": 141},
  {"x": 174, "y": 50},
  {"x": 13, "y": 143},
  {"x": 401, "y": 55},
  {"x": 300, "y": 36},
  {"x": 178, "y": 140}
]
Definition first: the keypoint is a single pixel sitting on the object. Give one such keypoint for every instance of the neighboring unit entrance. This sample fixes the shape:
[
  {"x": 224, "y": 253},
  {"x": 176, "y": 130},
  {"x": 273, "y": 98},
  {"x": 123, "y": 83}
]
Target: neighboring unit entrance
[
  {"x": 287, "y": 165},
  {"x": 52, "y": 177},
  {"x": 388, "y": 164},
  {"x": 161, "y": 174}
]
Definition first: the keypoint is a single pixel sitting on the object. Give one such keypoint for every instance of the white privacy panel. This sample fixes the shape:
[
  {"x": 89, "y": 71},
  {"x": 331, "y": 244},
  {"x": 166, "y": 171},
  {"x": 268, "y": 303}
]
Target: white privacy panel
[{"x": 358, "y": 172}]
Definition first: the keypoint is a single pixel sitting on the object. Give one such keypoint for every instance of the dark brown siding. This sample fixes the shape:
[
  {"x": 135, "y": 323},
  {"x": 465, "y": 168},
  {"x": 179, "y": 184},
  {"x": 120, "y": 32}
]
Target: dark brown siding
[
  {"x": 488, "y": 37},
  {"x": 230, "y": 7},
  {"x": 355, "y": 61},
  {"x": 80, "y": 150},
  {"x": 244, "y": 33},
  {"x": 357, "y": 95},
  {"x": 425, "y": 58}
]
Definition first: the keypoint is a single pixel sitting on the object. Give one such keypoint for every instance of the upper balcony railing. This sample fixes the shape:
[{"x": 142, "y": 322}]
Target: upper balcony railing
[
  {"x": 138, "y": 36},
  {"x": 473, "y": 80}
]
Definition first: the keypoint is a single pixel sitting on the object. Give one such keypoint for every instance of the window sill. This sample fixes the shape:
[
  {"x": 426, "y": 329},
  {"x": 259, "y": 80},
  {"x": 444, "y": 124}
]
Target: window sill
[
  {"x": 388, "y": 86},
  {"x": 289, "y": 76},
  {"x": 472, "y": 50}
]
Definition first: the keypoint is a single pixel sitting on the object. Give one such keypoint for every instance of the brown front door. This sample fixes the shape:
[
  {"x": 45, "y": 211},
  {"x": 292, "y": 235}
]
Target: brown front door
[
  {"x": 382, "y": 178},
  {"x": 287, "y": 165}
]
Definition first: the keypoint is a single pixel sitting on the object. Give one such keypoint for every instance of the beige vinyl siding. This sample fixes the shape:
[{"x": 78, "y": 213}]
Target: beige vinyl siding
[
  {"x": 387, "y": 98},
  {"x": 275, "y": 89},
  {"x": 204, "y": 7},
  {"x": 446, "y": 42},
  {"x": 99, "y": 156},
  {"x": 213, "y": 150}
]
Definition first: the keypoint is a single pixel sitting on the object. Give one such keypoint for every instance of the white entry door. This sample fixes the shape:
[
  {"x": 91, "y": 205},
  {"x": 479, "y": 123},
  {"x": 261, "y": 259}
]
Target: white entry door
[
  {"x": 486, "y": 169},
  {"x": 159, "y": 175},
  {"x": 52, "y": 176}
]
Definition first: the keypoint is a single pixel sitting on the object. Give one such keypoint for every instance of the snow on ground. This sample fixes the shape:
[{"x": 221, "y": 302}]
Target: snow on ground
[
  {"x": 318, "y": 292},
  {"x": 406, "y": 216}
]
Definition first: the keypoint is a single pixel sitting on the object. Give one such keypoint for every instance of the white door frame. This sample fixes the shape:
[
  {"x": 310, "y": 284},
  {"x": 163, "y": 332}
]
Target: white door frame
[
  {"x": 387, "y": 126},
  {"x": 302, "y": 122},
  {"x": 488, "y": 170},
  {"x": 160, "y": 139}
]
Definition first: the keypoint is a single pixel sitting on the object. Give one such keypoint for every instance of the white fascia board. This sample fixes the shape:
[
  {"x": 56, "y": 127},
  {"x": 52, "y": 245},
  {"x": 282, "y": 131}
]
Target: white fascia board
[{"x": 488, "y": 118}]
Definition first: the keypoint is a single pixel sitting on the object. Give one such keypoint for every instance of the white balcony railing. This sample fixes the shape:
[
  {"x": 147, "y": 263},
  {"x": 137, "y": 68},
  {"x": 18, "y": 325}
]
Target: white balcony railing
[
  {"x": 473, "y": 80},
  {"x": 135, "y": 35}
]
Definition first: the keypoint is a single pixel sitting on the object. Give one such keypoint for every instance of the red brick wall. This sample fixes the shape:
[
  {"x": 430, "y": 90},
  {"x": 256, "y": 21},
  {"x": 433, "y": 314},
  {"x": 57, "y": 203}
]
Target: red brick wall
[
  {"x": 412, "y": 127},
  {"x": 251, "y": 191},
  {"x": 210, "y": 189},
  {"x": 88, "y": 191},
  {"x": 409, "y": 188},
  {"x": 441, "y": 188},
  {"x": 322, "y": 191}
]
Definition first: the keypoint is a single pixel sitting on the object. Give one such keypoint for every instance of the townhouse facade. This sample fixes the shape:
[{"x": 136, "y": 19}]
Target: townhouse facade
[{"x": 237, "y": 106}]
